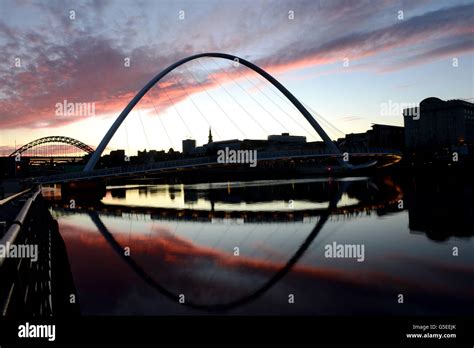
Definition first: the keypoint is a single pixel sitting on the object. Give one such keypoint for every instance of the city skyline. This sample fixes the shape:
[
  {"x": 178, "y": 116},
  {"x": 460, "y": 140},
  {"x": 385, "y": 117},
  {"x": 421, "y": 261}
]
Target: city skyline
[{"x": 387, "y": 58}]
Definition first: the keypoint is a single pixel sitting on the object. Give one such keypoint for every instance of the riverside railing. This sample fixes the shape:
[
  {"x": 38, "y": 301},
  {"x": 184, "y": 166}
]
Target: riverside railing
[{"x": 25, "y": 282}]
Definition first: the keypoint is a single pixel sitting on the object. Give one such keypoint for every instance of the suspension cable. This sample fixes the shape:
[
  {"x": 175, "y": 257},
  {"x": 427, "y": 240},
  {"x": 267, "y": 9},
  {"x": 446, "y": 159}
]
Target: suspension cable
[
  {"x": 212, "y": 98},
  {"x": 195, "y": 105},
  {"x": 161, "y": 122},
  {"x": 251, "y": 96},
  {"x": 235, "y": 100}
]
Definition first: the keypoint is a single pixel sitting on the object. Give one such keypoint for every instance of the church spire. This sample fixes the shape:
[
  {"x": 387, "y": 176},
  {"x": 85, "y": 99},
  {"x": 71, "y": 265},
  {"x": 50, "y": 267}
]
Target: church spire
[{"x": 210, "y": 136}]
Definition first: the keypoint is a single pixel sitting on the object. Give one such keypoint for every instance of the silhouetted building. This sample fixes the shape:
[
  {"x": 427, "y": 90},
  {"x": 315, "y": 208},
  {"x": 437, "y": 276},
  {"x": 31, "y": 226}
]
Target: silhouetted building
[
  {"x": 188, "y": 146},
  {"x": 358, "y": 141},
  {"x": 438, "y": 123},
  {"x": 287, "y": 138},
  {"x": 386, "y": 136},
  {"x": 151, "y": 156},
  {"x": 117, "y": 155},
  {"x": 220, "y": 145},
  {"x": 380, "y": 136},
  {"x": 115, "y": 158}
]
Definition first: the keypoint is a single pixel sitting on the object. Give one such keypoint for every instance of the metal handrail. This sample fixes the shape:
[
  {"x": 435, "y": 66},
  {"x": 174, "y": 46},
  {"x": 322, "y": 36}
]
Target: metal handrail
[
  {"x": 24, "y": 286},
  {"x": 15, "y": 228},
  {"x": 12, "y": 197}
]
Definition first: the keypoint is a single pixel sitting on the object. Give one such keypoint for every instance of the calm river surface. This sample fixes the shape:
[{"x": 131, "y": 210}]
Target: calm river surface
[{"x": 261, "y": 247}]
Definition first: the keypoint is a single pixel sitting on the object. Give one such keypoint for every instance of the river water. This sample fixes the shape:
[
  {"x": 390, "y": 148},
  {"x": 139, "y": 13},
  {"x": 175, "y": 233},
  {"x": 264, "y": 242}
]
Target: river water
[{"x": 303, "y": 246}]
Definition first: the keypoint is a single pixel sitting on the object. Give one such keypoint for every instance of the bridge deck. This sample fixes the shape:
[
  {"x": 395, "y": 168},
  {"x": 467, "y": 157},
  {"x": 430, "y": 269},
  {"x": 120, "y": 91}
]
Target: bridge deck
[{"x": 191, "y": 163}]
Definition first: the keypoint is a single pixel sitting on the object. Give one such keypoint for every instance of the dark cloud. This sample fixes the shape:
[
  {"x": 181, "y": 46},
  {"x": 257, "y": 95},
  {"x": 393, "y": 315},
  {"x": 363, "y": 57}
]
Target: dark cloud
[
  {"x": 82, "y": 61},
  {"x": 442, "y": 25}
]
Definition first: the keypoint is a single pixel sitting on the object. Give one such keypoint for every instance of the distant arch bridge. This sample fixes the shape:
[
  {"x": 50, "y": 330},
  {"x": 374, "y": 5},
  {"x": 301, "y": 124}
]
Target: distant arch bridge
[{"x": 53, "y": 140}]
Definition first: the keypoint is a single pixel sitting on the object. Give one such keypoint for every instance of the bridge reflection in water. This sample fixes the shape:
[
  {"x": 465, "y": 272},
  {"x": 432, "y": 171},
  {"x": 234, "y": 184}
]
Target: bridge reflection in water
[{"x": 177, "y": 250}]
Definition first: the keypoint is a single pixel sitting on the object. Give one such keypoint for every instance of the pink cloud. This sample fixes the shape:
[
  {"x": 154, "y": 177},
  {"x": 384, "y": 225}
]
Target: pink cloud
[{"x": 92, "y": 69}]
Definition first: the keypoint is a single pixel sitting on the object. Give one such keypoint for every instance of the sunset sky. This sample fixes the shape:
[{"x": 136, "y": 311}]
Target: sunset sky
[{"x": 346, "y": 60}]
